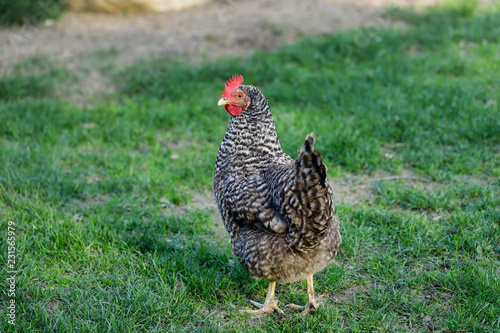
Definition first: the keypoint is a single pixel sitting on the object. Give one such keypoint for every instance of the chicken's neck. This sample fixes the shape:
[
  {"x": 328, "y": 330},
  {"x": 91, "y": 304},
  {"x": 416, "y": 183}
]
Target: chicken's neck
[{"x": 251, "y": 138}]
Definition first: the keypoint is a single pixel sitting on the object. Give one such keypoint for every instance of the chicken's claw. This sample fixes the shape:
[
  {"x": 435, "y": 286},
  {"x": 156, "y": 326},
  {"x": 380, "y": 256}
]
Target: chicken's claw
[
  {"x": 310, "y": 307},
  {"x": 264, "y": 308}
]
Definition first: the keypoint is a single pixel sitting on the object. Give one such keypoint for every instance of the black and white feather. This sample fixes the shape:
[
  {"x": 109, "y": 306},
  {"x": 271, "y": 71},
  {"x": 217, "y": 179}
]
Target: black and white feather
[{"x": 279, "y": 212}]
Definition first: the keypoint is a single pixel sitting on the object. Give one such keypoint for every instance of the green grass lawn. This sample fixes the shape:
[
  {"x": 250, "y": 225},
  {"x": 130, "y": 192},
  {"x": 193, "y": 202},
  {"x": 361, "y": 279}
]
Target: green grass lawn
[{"x": 87, "y": 187}]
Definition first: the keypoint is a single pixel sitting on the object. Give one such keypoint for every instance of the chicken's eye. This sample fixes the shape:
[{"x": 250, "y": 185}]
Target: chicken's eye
[{"x": 239, "y": 95}]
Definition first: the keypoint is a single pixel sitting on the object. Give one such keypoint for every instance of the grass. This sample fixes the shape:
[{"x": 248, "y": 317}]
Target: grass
[
  {"x": 28, "y": 12},
  {"x": 87, "y": 187}
]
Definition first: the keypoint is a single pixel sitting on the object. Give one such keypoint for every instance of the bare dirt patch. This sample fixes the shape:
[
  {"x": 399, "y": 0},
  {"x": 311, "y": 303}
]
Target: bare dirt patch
[
  {"x": 349, "y": 294},
  {"x": 200, "y": 202},
  {"x": 355, "y": 188},
  {"x": 219, "y": 29}
]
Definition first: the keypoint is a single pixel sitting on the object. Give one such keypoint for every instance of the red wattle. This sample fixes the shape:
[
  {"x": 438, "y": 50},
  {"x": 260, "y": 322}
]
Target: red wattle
[{"x": 233, "y": 110}]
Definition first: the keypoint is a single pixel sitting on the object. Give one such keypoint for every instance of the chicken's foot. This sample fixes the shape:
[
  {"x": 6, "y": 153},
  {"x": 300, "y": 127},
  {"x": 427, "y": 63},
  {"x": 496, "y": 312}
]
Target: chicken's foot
[
  {"x": 311, "y": 305},
  {"x": 269, "y": 306}
]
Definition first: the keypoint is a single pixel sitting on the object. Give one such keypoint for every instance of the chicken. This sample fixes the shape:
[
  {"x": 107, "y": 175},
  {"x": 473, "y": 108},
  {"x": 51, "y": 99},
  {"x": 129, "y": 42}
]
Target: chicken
[{"x": 278, "y": 212}]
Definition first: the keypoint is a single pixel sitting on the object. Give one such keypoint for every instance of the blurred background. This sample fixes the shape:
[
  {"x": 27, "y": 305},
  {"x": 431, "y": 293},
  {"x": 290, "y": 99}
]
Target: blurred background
[{"x": 70, "y": 30}]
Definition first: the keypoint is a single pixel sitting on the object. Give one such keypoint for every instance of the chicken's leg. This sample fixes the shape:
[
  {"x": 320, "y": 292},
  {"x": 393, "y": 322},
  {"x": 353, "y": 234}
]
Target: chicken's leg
[
  {"x": 311, "y": 305},
  {"x": 270, "y": 305}
]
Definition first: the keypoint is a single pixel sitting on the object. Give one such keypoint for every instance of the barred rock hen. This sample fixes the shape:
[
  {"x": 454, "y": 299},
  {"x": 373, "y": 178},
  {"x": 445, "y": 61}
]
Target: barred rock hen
[{"x": 279, "y": 213}]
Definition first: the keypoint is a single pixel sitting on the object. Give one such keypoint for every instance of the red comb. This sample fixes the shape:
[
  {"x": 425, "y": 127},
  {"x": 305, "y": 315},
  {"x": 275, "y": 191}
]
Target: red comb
[{"x": 232, "y": 84}]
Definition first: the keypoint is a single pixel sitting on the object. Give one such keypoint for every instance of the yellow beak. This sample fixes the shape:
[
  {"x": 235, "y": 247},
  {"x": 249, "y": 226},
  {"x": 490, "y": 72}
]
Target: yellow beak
[{"x": 223, "y": 101}]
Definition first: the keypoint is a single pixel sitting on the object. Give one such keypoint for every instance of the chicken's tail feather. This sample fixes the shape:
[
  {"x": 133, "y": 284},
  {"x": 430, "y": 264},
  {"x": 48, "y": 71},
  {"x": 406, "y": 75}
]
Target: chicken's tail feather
[
  {"x": 309, "y": 143},
  {"x": 313, "y": 200}
]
